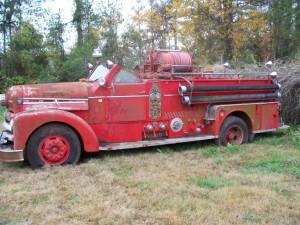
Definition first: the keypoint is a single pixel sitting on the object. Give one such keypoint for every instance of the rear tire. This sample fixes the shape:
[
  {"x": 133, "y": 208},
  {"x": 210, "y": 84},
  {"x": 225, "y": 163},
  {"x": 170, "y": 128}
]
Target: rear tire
[
  {"x": 53, "y": 145},
  {"x": 234, "y": 131}
]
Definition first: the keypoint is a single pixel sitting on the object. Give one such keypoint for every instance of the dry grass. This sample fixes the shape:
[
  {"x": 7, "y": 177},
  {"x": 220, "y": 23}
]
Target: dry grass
[{"x": 183, "y": 184}]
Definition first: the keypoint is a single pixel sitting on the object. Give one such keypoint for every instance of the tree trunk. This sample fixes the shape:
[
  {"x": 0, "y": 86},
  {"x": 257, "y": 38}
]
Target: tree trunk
[
  {"x": 228, "y": 30},
  {"x": 78, "y": 21}
]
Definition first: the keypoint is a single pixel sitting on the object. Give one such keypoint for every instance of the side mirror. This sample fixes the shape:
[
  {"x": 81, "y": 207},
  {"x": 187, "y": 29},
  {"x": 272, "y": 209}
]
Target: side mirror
[
  {"x": 102, "y": 82},
  {"x": 109, "y": 64}
]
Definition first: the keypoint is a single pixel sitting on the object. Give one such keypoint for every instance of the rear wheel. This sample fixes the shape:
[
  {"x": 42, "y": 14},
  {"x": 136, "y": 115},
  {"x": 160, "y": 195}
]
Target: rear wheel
[
  {"x": 53, "y": 144},
  {"x": 233, "y": 131}
]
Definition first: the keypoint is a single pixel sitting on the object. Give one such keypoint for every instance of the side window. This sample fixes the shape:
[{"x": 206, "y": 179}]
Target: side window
[{"x": 125, "y": 77}]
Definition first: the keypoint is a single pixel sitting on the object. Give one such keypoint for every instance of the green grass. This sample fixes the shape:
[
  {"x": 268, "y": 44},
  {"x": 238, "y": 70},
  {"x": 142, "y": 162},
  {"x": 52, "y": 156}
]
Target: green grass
[
  {"x": 209, "y": 151},
  {"x": 282, "y": 163},
  {"x": 285, "y": 138},
  {"x": 233, "y": 148},
  {"x": 177, "y": 184},
  {"x": 39, "y": 199},
  {"x": 212, "y": 183},
  {"x": 215, "y": 151},
  {"x": 250, "y": 218},
  {"x": 123, "y": 172},
  {"x": 294, "y": 134}
]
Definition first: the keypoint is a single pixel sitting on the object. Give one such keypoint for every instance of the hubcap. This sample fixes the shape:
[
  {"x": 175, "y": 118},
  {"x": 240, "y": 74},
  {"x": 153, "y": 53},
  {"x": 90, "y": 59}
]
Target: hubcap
[
  {"x": 234, "y": 135},
  {"x": 54, "y": 150}
]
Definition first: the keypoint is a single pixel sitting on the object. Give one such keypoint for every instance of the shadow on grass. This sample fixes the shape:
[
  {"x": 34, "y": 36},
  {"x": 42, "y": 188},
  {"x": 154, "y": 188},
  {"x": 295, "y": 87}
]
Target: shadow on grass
[
  {"x": 206, "y": 148},
  {"x": 165, "y": 149}
]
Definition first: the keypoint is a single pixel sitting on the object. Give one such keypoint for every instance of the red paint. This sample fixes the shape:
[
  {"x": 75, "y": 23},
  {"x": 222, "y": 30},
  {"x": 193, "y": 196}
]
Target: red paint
[
  {"x": 25, "y": 123},
  {"x": 234, "y": 135},
  {"x": 54, "y": 150},
  {"x": 148, "y": 109}
]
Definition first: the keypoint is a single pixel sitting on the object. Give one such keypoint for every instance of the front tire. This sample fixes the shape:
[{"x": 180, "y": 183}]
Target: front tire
[
  {"x": 233, "y": 131},
  {"x": 53, "y": 145}
]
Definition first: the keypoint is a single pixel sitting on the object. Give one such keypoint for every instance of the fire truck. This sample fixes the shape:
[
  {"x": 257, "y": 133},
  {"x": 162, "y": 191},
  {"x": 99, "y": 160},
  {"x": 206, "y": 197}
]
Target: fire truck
[{"x": 167, "y": 100}]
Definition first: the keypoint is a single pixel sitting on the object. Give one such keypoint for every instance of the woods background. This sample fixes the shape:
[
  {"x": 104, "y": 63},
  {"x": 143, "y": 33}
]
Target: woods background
[{"x": 240, "y": 32}]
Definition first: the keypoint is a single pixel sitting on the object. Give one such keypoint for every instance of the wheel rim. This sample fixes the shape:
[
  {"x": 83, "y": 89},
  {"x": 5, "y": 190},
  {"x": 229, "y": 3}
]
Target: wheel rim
[
  {"x": 234, "y": 135},
  {"x": 54, "y": 150}
]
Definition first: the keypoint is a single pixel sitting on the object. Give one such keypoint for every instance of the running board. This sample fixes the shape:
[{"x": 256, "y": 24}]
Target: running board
[{"x": 150, "y": 143}]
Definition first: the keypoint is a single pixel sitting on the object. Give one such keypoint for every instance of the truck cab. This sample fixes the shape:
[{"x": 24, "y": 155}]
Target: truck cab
[{"x": 167, "y": 100}]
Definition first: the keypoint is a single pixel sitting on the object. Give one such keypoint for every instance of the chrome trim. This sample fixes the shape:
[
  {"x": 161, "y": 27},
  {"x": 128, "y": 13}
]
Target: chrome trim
[
  {"x": 7, "y": 126},
  {"x": 264, "y": 131},
  {"x": 7, "y": 136},
  {"x": 58, "y": 99},
  {"x": 9, "y": 155},
  {"x": 172, "y": 95},
  {"x": 124, "y": 96},
  {"x": 149, "y": 143},
  {"x": 258, "y": 103},
  {"x": 54, "y": 102}
]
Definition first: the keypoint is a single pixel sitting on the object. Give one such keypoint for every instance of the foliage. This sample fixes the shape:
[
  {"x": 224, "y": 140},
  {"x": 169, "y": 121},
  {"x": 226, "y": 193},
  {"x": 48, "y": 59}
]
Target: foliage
[
  {"x": 238, "y": 31},
  {"x": 26, "y": 59},
  {"x": 74, "y": 67}
]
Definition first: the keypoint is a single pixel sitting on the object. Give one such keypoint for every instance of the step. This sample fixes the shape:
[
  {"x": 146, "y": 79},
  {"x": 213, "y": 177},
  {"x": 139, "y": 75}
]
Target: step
[{"x": 150, "y": 143}]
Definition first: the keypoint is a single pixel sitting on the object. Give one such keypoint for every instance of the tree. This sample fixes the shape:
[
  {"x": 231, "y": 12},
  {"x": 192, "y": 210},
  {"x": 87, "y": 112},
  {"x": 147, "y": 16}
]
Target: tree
[
  {"x": 55, "y": 40},
  {"x": 281, "y": 20},
  {"x": 87, "y": 22},
  {"x": 11, "y": 14},
  {"x": 55, "y": 47},
  {"x": 26, "y": 57},
  {"x": 78, "y": 17},
  {"x": 110, "y": 19},
  {"x": 130, "y": 48}
]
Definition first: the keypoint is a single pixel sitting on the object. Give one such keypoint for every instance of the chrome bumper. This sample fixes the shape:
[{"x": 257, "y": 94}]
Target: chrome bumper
[{"x": 7, "y": 154}]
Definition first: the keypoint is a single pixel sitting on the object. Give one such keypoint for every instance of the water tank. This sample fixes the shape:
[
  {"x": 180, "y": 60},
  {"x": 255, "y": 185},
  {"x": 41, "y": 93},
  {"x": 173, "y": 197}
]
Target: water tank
[
  {"x": 180, "y": 61},
  {"x": 165, "y": 60}
]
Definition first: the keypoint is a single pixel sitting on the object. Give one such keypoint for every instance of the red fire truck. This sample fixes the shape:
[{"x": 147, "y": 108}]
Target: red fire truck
[{"x": 167, "y": 100}]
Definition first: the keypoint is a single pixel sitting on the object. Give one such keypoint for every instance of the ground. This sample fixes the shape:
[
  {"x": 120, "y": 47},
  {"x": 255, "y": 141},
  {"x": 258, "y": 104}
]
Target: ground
[{"x": 195, "y": 183}]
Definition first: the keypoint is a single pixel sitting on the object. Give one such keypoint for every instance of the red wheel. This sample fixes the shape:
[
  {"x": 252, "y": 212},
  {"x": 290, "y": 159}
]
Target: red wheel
[
  {"x": 233, "y": 131},
  {"x": 234, "y": 135},
  {"x": 54, "y": 150},
  {"x": 53, "y": 144}
]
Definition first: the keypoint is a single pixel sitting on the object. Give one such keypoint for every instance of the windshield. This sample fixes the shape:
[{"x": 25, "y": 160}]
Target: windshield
[
  {"x": 100, "y": 72},
  {"x": 126, "y": 77}
]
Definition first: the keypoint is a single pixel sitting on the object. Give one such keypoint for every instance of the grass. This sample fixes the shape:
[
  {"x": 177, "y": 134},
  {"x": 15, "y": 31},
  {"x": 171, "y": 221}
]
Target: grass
[
  {"x": 250, "y": 218},
  {"x": 212, "y": 183},
  {"x": 195, "y": 183}
]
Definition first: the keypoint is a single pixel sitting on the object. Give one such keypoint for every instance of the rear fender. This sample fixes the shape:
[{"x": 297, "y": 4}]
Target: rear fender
[
  {"x": 25, "y": 123},
  {"x": 260, "y": 116}
]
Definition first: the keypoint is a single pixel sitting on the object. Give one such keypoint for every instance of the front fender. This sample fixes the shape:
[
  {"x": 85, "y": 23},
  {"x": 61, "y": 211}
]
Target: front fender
[{"x": 25, "y": 123}]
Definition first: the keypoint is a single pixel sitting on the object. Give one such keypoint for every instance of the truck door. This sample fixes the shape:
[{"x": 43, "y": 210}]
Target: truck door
[{"x": 128, "y": 99}]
